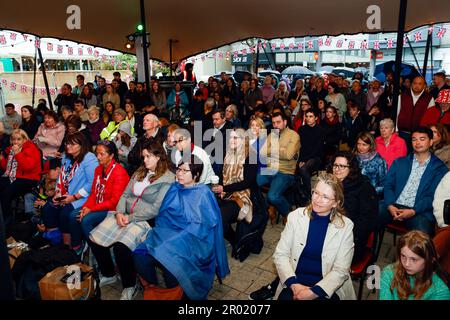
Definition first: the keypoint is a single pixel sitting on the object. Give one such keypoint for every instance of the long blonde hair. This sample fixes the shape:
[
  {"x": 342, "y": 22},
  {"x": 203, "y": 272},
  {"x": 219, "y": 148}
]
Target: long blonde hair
[{"x": 335, "y": 184}]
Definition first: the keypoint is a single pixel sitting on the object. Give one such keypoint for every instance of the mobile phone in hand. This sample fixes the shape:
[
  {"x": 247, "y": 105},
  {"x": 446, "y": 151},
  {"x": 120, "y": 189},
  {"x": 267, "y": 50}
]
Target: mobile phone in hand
[{"x": 58, "y": 199}]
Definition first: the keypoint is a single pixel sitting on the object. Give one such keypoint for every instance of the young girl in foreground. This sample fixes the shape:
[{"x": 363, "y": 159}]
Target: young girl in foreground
[{"x": 415, "y": 274}]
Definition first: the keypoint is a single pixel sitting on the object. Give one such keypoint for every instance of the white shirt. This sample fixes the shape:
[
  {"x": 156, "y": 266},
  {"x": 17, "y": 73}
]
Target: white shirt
[{"x": 140, "y": 186}]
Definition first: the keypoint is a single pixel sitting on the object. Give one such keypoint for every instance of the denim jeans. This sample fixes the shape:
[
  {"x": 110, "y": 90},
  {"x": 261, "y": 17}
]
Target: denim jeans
[
  {"x": 279, "y": 183},
  {"x": 90, "y": 221},
  {"x": 29, "y": 200}
]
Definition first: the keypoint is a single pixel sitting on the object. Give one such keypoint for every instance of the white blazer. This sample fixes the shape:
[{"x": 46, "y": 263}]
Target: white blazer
[
  {"x": 441, "y": 194},
  {"x": 337, "y": 254}
]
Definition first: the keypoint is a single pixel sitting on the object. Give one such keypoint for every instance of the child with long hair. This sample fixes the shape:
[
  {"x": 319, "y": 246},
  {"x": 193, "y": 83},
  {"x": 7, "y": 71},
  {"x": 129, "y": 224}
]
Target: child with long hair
[{"x": 416, "y": 274}]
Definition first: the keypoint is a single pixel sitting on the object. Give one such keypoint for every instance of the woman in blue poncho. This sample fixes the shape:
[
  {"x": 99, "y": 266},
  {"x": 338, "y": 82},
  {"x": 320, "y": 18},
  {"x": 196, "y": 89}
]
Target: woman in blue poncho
[{"x": 187, "y": 241}]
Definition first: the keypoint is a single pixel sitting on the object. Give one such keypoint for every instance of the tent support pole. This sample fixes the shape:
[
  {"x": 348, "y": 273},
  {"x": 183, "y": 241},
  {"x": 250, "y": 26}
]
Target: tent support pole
[
  {"x": 44, "y": 74},
  {"x": 34, "y": 77},
  {"x": 414, "y": 54},
  {"x": 257, "y": 57},
  {"x": 398, "y": 56},
  {"x": 427, "y": 51},
  {"x": 145, "y": 46}
]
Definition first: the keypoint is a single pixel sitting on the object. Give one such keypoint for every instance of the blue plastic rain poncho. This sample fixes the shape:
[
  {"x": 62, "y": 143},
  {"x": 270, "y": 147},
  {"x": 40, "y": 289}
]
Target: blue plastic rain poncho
[{"x": 188, "y": 239}]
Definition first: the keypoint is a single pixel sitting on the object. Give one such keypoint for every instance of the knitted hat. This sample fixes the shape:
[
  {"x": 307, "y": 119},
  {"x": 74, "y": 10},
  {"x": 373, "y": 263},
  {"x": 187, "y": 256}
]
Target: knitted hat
[
  {"x": 125, "y": 126},
  {"x": 444, "y": 96},
  {"x": 121, "y": 112}
]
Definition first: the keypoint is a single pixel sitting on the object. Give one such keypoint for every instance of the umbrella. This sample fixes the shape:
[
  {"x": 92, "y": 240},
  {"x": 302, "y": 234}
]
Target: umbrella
[
  {"x": 348, "y": 72},
  {"x": 269, "y": 72},
  {"x": 326, "y": 69},
  {"x": 239, "y": 75},
  {"x": 297, "y": 70},
  {"x": 407, "y": 70}
]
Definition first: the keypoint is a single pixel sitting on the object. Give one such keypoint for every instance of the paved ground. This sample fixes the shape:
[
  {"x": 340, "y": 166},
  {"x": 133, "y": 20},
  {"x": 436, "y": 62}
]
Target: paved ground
[{"x": 259, "y": 270}]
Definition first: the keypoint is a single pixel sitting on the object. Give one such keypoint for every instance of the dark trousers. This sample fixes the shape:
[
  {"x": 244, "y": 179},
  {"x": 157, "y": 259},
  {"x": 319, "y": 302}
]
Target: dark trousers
[
  {"x": 6, "y": 285},
  {"x": 124, "y": 261},
  {"x": 65, "y": 217},
  {"x": 305, "y": 172},
  {"x": 230, "y": 211},
  {"x": 408, "y": 140},
  {"x": 417, "y": 222},
  {"x": 146, "y": 267},
  {"x": 8, "y": 191}
]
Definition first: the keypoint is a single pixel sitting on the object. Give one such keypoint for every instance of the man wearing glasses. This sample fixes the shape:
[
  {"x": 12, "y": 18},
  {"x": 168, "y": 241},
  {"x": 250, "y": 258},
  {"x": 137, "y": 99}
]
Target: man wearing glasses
[
  {"x": 185, "y": 148},
  {"x": 153, "y": 132}
]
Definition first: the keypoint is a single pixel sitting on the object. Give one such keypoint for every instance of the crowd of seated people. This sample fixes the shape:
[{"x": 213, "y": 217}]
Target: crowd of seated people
[{"x": 166, "y": 178}]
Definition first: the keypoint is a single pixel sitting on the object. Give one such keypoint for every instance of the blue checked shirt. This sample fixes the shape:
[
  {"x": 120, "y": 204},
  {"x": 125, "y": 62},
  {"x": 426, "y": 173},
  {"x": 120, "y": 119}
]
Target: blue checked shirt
[{"x": 408, "y": 195}]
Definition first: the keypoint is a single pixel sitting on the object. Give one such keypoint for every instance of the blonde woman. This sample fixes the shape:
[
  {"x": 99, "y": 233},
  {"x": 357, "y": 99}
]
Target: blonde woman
[{"x": 318, "y": 239}]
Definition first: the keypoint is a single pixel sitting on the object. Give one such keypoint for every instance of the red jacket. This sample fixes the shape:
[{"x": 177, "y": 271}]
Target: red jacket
[
  {"x": 29, "y": 164},
  {"x": 395, "y": 149},
  {"x": 433, "y": 116},
  {"x": 114, "y": 187}
]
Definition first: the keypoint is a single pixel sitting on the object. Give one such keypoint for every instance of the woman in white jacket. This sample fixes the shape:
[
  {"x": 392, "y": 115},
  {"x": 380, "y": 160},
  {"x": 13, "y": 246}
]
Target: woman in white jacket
[
  {"x": 442, "y": 238},
  {"x": 315, "y": 251}
]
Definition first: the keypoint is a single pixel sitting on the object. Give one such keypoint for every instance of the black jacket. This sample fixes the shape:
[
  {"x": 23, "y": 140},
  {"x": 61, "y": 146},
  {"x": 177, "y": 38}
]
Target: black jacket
[
  {"x": 63, "y": 100},
  {"x": 312, "y": 141},
  {"x": 30, "y": 127},
  {"x": 333, "y": 133},
  {"x": 361, "y": 206},
  {"x": 134, "y": 157}
]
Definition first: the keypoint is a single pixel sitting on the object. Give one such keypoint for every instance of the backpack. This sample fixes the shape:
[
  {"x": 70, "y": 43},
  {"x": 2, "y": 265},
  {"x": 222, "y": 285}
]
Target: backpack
[{"x": 31, "y": 266}]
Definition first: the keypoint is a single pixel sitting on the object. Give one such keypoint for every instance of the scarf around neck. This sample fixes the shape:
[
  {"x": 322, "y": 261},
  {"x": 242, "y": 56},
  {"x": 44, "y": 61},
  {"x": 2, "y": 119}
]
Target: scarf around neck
[
  {"x": 11, "y": 167},
  {"x": 367, "y": 156},
  {"x": 233, "y": 172}
]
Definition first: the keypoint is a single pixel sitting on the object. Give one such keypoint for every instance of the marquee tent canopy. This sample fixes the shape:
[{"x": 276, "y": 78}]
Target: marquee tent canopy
[{"x": 199, "y": 25}]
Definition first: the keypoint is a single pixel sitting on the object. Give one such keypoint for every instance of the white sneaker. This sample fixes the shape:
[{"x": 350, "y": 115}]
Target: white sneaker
[
  {"x": 129, "y": 293},
  {"x": 104, "y": 281}
]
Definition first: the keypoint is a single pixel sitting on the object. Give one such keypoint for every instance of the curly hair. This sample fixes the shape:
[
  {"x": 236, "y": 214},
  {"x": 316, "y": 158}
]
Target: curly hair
[{"x": 354, "y": 173}]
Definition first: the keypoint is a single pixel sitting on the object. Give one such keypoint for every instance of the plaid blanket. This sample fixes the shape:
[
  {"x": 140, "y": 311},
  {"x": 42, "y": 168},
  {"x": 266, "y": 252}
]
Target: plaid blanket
[{"x": 108, "y": 232}]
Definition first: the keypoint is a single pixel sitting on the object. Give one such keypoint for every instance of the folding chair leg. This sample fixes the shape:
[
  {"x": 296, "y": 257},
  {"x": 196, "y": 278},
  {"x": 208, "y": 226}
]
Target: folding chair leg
[
  {"x": 361, "y": 285},
  {"x": 218, "y": 278},
  {"x": 379, "y": 238}
]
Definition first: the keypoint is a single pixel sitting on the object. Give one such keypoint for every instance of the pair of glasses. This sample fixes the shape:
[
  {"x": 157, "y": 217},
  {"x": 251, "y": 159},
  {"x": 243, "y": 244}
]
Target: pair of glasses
[
  {"x": 340, "y": 166},
  {"x": 178, "y": 141},
  {"x": 318, "y": 195},
  {"x": 183, "y": 171}
]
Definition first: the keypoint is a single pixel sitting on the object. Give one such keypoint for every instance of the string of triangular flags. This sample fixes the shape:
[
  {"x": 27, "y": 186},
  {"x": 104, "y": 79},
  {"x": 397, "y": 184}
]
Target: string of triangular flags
[
  {"x": 324, "y": 42},
  {"x": 8, "y": 38},
  {"x": 27, "y": 89}
]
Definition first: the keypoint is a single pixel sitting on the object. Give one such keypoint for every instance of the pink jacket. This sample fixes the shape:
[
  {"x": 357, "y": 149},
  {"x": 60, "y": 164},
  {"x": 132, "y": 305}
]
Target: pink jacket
[
  {"x": 371, "y": 100},
  {"x": 49, "y": 139},
  {"x": 395, "y": 149}
]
